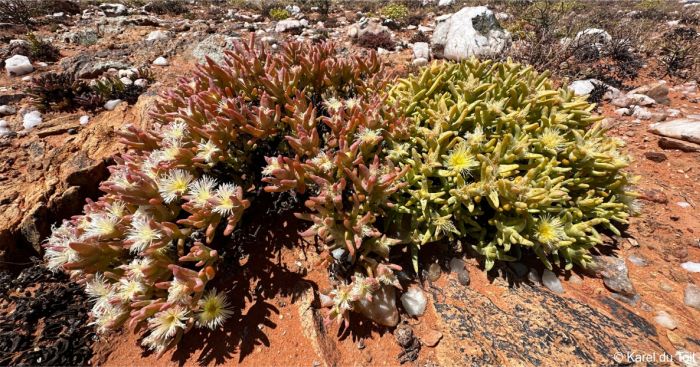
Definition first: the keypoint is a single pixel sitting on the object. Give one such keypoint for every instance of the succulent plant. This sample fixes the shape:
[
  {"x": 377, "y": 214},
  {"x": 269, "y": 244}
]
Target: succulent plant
[
  {"x": 499, "y": 157},
  {"x": 279, "y": 14},
  {"x": 394, "y": 11},
  {"x": 305, "y": 120},
  {"x": 479, "y": 150}
]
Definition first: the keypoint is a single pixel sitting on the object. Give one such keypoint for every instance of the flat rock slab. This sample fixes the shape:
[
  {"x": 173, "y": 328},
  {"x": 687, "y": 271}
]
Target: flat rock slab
[
  {"x": 687, "y": 129},
  {"x": 533, "y": 326}
]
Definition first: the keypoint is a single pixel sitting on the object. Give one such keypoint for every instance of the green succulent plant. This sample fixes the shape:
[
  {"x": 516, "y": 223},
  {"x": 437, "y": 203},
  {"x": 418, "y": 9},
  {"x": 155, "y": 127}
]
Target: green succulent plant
[
  {"x": 394, "y": 11},
  {"x": 278, "y": 14},
  {"x": 499, "y": 157}
]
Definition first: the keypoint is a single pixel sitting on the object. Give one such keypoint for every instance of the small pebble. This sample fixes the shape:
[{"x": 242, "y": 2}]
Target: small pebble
[
  {"x": 414, "y": 301},
  {"x": 637, "y": 260},
  {"x": 84, "y": 119},
  {"x": 664, "y": 319},
  {"x": 551, "y": 281},
  {"x": 160, "y": 61},
  {"x": 112, "y": 104},
  {"x": 692, "y": 267},
  {"x": 534, "y": 276},
  {"x": 434, "y": 272},
  {"x": 691, "y": 296}
]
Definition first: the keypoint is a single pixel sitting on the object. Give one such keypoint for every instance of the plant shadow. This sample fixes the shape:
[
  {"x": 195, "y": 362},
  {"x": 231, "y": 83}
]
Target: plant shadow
[{"x": 251, "y": 275}]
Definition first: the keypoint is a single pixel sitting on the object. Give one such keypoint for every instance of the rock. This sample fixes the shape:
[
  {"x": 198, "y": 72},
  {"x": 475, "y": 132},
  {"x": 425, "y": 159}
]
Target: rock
[
  {"x": 687, "y": 129},
  {"x": 420, "y": 62},
  {"x": 684, "y": 146},
  {"x": 126, "y": 81},
  {"x": 459, "y": 267},
  {"x": 18, "y": 65},
  {"x": 582, "y": 87},
  {"x": 692, "y": 267},
  {"x": 633, "y": 99},
  {"x": 691, "y": 296},
  {"x": 431, "y": 338},
  {"x": 213, "y": 47},
  {"x": 114, "y": 10},
  {"x": 6, "y": 110},
  {"x": 112, "y": 104},
  {"x": 613, "y": 270},
  {"x": 664, "y": 319},
  {"x": 641, "y": 113},
  {"x": 142, "y": 83},
  {"x": 472, "y": 31},
  {"x": 637, "y": 260},
  {"x": 655, "y": 156},
  {"x": 414, "y": 301},
  {"x": 84, "y": 119},
  {"x": 157, "y": 36},
  {"x": 421, "y": 50},
  {"x": 382, "y": 309},
  {"x": 4, "y": 129},
  {"x": 658, "y": 91},
  {"x": 84, "y": 66},
  {"x": 534, "y": 277},
  {"x": 575, "y": 279},
  {"x": 371, "y": 29},
  {"x": 623, "y": 111},
  {"x": 287, "y": 25},
  {"x": 655, "y": 196},
  {"x": 446, "y": 2},
  {"x": 31, "y": 120},
  {"x": 592, "y": 36},
  {"x": 160, "y": 61},
  {"x": 551, "y": 281},
  {"x": 313, "y": 328},
  {"x": 434, "y": 272},
  {"x": 531, "y": 326}
]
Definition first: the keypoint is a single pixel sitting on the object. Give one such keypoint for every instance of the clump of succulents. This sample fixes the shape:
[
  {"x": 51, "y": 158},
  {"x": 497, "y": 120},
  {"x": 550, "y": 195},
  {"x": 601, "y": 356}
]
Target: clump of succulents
[
  {"x": 482, "y": 151},
  {"x": 278, "y": 14},
  {"x": 305, "y": 120},
  {"x": 394, "y": 11},
  {"x": 499, "y": 157}
]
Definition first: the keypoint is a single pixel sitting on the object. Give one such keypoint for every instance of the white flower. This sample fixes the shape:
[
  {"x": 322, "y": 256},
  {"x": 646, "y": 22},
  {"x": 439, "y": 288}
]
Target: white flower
[
  {"x": 213, "y": 310},
  {"x": 165, "y": 324},
  {"x": 177, "y": 130},
  {"x": 98, "y": 287},
  {"x": 207, "y": 150},
  {"x": 107, "y": 316},
  {"x": 323, "y": 162},
  {"x": 333, "y": 104},
  {"x": 101, "y": 225},
  {"x": 202, "y": 190},
  {"x": 174, "y": 184},
  {"x": 129, "y": 289},
  {"x": 477, "y": 136},
  {"x": 369, "y": 136},
  {"x": 223, "y": 195},
  {"x": 135, "y": 269},
  {"x": 271, "y": 167},
  {"x": 179, "y": 292},
  {"x": 141, "y": 235}
]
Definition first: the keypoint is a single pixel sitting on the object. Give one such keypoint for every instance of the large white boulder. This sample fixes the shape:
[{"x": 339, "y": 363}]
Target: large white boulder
[
  {"x": 18, "y": 65},
  {"x": 472, "y": 31}
]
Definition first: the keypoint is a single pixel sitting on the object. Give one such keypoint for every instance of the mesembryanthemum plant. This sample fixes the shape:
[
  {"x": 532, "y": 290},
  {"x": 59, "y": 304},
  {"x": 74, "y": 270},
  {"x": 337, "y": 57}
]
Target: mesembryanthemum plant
[
  {"x": 304, "y": 119},
  {"x": 499, "y": 157}
]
